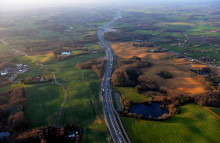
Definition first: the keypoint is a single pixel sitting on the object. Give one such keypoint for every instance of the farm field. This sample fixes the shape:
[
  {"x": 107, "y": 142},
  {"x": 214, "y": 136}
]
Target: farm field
[
  {"x": 192, "y": 122},
  {"x": 46, "y": 40},
  {"x": 183, "y": 80},
  {"x": 82, "y": 107},
  {"x": 44, "y": 99},
  {"x": 194, "y": 125},
  {"x": 130, "y": 94},
  {"x": 215, "y": 109},
  {"x": 147, "y": 74},
  {"x": 167, "y": 25}
]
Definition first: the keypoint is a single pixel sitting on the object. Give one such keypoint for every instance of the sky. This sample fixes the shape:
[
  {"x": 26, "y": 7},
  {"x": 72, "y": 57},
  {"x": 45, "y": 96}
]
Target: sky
[
  {"x": 84, "y": 1},
  {"x": 20, "y": 4}
]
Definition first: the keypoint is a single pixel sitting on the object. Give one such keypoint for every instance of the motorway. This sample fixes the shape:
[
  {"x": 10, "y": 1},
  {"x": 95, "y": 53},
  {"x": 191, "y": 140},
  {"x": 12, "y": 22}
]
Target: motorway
[{"x": 114, "y": 128}]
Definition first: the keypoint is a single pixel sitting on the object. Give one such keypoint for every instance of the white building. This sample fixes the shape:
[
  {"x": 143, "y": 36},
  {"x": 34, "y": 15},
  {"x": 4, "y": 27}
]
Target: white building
[
  {"x": 192, "y": 60},
  {"x": 4, "y": 73},
  {"x": 65, "y": 53},
  {"x": 19, "y": 66}
]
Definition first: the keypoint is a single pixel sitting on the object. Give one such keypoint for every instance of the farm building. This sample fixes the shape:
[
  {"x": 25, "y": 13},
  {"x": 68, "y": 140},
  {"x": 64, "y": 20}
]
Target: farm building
[
  {"x": 65, "y": 53},
  {"x": 4, "y": 73}
]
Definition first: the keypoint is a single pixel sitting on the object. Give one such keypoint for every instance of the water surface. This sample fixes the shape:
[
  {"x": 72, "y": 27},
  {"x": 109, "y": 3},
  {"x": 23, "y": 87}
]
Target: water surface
[
  {"x": 4, "y": 135},
  {"x": 154, "y": 110},
  {"x": 117, "y": 100}
]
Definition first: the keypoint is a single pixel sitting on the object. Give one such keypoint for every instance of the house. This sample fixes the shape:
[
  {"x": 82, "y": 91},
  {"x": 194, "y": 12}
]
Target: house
[
  {"x": 65, "y": 53},
  {"x": 44, "y": 79},
  {"x": 192, "y": 60},
  {"x": 19, "y": 66},
  {"x": 152, "y": 51},
  {"x": 71, "y": 136},
  {"x": 4, "y": 73},
  {"x": 206, "y": 75}
]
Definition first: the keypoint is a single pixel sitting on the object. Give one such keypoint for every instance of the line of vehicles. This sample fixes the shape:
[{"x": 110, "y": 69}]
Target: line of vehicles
[{"x": 114, "y": 128}]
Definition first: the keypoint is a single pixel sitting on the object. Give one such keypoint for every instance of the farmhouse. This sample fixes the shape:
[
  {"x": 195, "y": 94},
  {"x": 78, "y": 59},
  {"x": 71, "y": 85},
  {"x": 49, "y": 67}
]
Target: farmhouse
[
  {"x": 19, "y": 66},
  {"x": 158, "y": 50},
  {"x": 4, "y": 73},
  {"x": 65, "y": 53},
  {"x": 192, "y": 60}
]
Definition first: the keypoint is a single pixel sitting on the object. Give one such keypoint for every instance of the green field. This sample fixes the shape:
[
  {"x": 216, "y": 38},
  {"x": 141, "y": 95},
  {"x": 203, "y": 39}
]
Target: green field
[
  {"x": 214, "y": 54},
  {"x": 82, "y": 108},
  {"x": 93, "y": 46},
  {"x": 4, "y": 48},
  {"x": 193, "y": 125},
  {"x": 44, "y": 101},
  {"x": 130, "y": 94},
  {"x": 215, "y": 109}
]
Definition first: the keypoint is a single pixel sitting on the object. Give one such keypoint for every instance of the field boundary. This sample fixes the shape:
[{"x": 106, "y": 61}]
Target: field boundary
[
  {"x": 212, "y": 112},
  {"x": 54, "y": 77}
]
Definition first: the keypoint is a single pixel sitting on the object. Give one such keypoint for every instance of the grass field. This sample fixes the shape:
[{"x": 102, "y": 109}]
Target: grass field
[
  {"x": 4, "y": 48},
  {"x": 193, "y": 125},
  {"x": 46, "y": 58},
  {"x": 215, "y": 109},
  {"x": 175, "y": 24},
  {"x": 214, "y": 54},
  {"x": 130, "y": 94},
  {"x": 93, "y": 46},
  {"x": 44, "y": 101},
  {"x": 82, "y": 108}
]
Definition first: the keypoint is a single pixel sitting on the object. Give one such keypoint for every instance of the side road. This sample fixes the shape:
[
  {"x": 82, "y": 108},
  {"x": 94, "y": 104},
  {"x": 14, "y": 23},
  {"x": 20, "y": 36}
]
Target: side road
[{"x": 54, "y": 77}]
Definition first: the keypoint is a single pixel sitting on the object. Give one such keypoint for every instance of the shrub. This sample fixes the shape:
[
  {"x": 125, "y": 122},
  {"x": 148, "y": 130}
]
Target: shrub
[
  {"x": 165, "y": 75},
  {"x": 17, "y": 121},
  {"x": 146, "y": 84},
  {"x": 125, "y": 76}
]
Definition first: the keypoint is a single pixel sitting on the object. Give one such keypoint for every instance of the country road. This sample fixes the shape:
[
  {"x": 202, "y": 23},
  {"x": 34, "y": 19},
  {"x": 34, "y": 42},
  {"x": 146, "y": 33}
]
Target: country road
[
  {"x": 54, "y": 77},
  {"x": 115, "y": 125}
]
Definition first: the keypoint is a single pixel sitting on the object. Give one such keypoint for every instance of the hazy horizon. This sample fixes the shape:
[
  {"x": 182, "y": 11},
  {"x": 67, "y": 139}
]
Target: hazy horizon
[{"x": 9, "y": 5}]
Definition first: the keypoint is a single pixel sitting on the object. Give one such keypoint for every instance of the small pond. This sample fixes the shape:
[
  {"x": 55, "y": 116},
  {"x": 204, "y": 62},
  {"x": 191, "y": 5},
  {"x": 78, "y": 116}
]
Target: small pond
[
  {"x": 117, "y": 100},
  {"x": 4, "y": 135},
  {"x": 148, "y": 111}
]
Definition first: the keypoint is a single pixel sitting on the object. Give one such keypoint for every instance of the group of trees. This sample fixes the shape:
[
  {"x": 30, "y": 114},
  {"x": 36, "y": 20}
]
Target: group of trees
[
  {"x": 165, "y": 74},
  {"x": 210, "y": 99},
  {"x": 144, "y": 44},
  {"x": 146, "y": 84},
  {"x": 126, "y": 75},
  {"x": 131, "y": 75},
  {"x": 97, "y": 65},
  {"x": 11, "y": 111},
  {"x": 6, "y": 65},
  {"x": 33, "y": 80},
  {"x": 128, "y": 71},
  {"x": 47, "y": 135},
  {"x": 99, "y": 68},
  {"x": 117, "y": 37}
]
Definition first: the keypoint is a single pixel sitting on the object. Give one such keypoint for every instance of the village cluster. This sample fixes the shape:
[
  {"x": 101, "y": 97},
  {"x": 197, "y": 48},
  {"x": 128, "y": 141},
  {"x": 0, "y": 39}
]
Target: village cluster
[{"x": 11, "y": 72}]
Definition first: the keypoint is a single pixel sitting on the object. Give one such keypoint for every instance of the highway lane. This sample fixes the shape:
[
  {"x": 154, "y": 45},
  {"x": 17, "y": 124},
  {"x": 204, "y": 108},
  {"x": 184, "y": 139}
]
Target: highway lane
[{"x": 114, "y": 128}]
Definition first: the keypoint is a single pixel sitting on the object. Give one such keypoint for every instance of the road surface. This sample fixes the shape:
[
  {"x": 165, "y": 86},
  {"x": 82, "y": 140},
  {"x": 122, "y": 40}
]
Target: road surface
[{"x": 118, "y": 133}]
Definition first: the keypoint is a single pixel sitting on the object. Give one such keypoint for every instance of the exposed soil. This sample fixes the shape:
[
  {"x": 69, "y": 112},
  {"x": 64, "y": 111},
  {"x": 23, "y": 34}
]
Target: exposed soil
[{"x": 183, "y": 80}]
